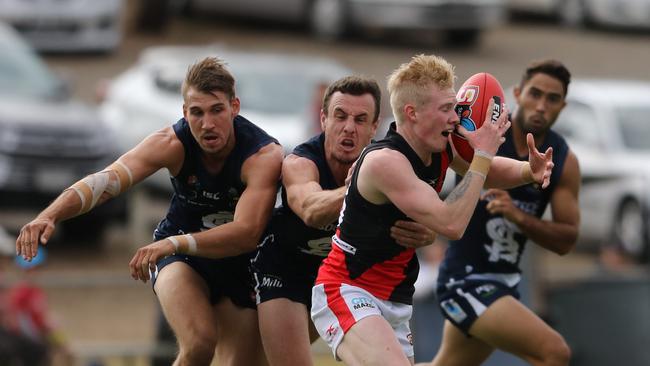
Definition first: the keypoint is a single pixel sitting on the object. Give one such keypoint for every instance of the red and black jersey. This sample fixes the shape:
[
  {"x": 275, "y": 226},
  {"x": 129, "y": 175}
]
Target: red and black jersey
[{"x": 364, "y": 254}]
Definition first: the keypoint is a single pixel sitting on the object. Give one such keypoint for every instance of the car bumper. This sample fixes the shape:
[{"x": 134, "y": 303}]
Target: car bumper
[{"x": 421, "y": 15}]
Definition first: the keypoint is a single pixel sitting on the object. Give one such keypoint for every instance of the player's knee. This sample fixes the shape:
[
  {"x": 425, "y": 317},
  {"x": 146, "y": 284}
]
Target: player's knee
[{"x": 198, "y": 351}]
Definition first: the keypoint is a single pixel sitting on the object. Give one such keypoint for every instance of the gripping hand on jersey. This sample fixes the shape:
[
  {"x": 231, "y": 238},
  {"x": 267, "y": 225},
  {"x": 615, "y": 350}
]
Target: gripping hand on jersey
[
  {"x": 411, "y": 234},
  {"x": 145, "y": 259}
]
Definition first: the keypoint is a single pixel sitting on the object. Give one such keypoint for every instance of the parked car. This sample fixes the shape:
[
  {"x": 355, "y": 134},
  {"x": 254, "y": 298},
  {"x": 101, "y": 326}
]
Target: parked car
[
  {"x": 461, "y": 21},
  {"x": 610, "y": 13},
  {"x": 607, "y": 124},
  {"x": 48, "y": 140},
  {"x": 280, "y": 93},
  {"x": 63, "y": 26}
]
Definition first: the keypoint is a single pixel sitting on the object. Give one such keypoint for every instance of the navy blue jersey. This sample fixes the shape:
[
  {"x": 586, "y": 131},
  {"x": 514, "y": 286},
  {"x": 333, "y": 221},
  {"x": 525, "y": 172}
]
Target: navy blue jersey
[
  {"x": 203, "y": 200},
  {"x": 365, "y": 254},
  {"x": 492, "y": 246},
  {"x": 289, "y": 229}
]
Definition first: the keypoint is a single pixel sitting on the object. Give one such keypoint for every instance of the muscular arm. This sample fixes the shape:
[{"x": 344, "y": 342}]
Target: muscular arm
[
  {"x": 415, "y": 198},
  {"x": 314, "y": 205},
  {"x": 508, "y": 173},
  {"x": 159, "y": 150},
  {"x": 261, "y": 173},
  {"x": 559, "y": 234}
]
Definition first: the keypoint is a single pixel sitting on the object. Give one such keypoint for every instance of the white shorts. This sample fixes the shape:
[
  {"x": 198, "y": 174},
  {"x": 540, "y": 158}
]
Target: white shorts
[{"x": 336, "y": 308}]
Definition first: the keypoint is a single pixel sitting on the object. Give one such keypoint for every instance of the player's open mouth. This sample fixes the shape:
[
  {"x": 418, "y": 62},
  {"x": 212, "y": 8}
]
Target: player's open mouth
[
  {"x": 347, "y": 143},
  {"x": 446, "y": 133}
]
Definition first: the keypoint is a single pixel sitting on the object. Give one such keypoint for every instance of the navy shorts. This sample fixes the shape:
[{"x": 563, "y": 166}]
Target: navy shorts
[
  {"x": 225, "y": 277},
  {"x": 281, "y": 272},
  {"x": 466, "y": 300}
]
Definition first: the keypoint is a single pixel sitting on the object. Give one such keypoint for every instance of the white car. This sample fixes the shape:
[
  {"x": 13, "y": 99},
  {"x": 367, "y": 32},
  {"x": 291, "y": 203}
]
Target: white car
[
  {"x": 48, "y": 139},
  {"x": 612, "y": 13},
  {"x": 607, "y": 124},
  {"x": 64, "y": 26},
  {"x": 460, "y": 20},
  {"x": 280, "y": 93}
]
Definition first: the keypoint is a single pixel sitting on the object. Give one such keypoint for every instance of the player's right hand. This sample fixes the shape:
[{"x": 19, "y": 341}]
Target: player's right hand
[
  {"x": 489, "y": 136},
  {"x": 36, "y": 231}
]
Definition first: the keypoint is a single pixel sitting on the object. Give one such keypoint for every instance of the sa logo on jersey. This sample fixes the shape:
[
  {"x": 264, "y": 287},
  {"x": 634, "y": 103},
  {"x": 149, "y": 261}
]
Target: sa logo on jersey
[{"x": 466, "y": 97}]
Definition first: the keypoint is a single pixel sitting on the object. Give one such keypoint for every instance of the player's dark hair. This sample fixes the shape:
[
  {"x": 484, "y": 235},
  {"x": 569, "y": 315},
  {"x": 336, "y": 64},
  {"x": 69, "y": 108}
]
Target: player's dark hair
[
  {"x": 354, "y": 85},
  {"x": 553, "y": 68},
  {"x": 209, "y": 75}
]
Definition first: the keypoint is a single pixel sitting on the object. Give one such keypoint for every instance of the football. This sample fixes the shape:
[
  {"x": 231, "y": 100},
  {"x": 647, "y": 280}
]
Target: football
[{"x": 472, "y": 102}]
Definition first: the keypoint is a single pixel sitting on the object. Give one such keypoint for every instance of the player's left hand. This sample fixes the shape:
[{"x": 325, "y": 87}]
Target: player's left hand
[
  {"x": 500, "y": 203},
  {"x": 145, "y": 259},
  {"x": 540, "y": 164},
  {"x": 412, "y": 234}
]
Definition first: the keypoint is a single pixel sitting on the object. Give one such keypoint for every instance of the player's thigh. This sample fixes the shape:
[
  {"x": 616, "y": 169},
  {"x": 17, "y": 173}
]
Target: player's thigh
[
  {"x": 510, "y": 326},
  {"x": 238, "y": 335},
  {"x": 185, "y": 301},
  {"x": 371, "y": 341},
  {"x": 283, "y": 321},
  {"x": 458, "y": 349}
]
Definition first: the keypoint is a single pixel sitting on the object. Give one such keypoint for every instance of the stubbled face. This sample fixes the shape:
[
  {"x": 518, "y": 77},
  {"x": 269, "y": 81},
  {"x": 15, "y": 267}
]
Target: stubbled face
[
  {"x": 348, "y": 126},
  {"x": 539, "y": 102},
  {"x": 210, "y": 116},
  {"x": 436, "y": 119}
]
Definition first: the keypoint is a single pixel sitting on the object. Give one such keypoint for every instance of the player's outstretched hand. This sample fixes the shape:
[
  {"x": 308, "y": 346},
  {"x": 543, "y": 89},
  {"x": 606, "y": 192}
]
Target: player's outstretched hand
[
  {"x": 541, "y": 165},
  {"x": 36, "y": 231},
  {"x": 145, "y": 259}
]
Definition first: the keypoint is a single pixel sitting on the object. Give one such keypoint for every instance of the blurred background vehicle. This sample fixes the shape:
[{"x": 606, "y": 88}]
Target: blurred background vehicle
[
  {"x": 64, "y": 26},
  {"x": 280, "y": 93},
  {"x": 607, "y": 124},
  {"x": 608, "y": 13},
  {"x": 459, "y": 21},
  {"x": 48, "y": 139}
]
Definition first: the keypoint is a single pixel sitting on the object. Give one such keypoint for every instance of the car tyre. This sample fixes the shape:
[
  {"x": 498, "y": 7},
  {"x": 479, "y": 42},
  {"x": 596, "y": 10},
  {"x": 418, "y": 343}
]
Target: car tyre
[
  {"x": 630, "y": 230},
  {"x": 327, "y": 19}
]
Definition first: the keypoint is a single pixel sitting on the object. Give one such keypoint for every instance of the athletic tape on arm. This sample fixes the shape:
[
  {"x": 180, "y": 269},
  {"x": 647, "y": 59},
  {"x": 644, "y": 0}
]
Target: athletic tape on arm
[
  {"x": 113, "y": 180},
  {"x": 183, "y": 244}
]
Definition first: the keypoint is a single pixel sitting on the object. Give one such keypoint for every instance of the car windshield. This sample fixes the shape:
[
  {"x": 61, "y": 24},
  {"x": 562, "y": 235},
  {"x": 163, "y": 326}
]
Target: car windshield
[
  {"x": 635, "y": 127},
  {"x": 277, "y": 93},
  {"x": 22, "y": 74}
]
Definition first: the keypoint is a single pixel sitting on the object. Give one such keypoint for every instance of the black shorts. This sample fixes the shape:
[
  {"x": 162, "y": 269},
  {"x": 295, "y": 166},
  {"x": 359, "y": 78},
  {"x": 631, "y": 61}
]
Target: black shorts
[
  {"x": 281, "y": 272},
  {"x": 464, "y": 302},
  {"x": 229, "y": 277}
]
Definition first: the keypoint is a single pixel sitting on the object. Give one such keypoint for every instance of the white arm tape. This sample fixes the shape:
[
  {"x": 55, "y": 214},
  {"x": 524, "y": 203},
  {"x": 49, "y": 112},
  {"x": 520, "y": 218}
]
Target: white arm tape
[
  {"x": 91, "y": 187},
  {"x": 187, "y": 238}
]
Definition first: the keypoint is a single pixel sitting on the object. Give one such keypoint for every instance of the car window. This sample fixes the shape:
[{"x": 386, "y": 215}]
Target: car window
[
  {"x": 575, "y": 121},
  {"x": 277, "y": 93},
  {"x": 633, "y": 123},
  {"x": 22, "y": 73}
]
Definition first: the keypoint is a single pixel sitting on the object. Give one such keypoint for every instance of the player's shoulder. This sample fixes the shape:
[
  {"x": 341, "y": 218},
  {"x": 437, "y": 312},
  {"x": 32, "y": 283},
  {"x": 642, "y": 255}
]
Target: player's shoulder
[{"x": 384, "y": 157}]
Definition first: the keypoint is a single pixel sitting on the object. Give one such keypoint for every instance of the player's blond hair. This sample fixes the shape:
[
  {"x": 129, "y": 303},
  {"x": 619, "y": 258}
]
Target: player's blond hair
[{"x": 410, "y": 82}]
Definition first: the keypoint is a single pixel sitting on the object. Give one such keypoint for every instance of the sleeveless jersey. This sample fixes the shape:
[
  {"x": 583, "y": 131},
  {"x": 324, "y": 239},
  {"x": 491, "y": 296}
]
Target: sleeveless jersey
[
  {"x": 492, "y": 246},
  {"x": 203, "y": 200},
  {"x": 364, "y": 254},
  {"x": 289, "y": 229}
]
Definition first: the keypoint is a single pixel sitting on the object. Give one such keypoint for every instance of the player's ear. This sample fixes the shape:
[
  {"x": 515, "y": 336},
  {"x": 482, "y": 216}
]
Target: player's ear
[
  {"x": 409, "y": 111},
  {"x": 516, "y": 91}
]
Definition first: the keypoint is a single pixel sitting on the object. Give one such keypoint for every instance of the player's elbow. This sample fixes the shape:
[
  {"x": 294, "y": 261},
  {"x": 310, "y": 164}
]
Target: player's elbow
[
  {"x": 453, "y": 231},
  {"x": 251, "y": 237}
]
